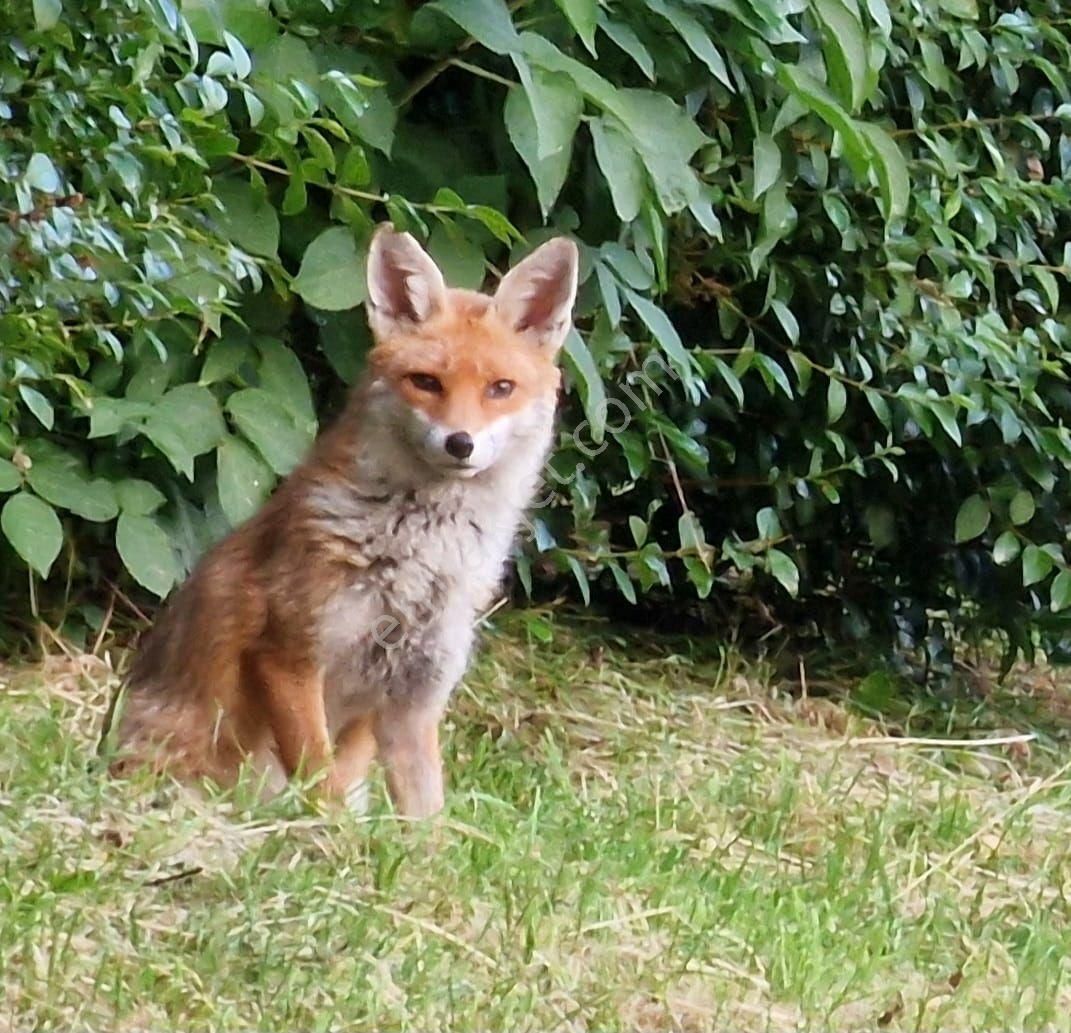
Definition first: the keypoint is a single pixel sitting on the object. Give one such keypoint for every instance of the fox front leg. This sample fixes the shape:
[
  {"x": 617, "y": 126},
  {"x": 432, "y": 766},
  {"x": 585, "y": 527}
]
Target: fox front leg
[
  {"x": 291, "y": 694},
  {"x": 408, "y": 742}
]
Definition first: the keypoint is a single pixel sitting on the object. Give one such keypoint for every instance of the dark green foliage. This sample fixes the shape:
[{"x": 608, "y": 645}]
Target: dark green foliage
[{"x": 822, "y": 347}]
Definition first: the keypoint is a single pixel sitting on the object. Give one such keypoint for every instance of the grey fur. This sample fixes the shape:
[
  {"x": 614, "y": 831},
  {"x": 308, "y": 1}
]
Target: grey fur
[{"x": 432, "y": 556}]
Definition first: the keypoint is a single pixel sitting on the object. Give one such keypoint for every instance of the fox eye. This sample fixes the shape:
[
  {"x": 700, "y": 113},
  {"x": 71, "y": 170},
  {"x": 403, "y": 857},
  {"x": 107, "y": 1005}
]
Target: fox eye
[
  {"x": 426, "y": 382},
  {"x": 500, "y": 389}
]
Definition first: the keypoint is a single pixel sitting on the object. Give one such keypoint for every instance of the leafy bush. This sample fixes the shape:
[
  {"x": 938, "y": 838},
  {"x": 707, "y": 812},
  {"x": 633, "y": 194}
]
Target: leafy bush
[{"x": 821, "y": 356}]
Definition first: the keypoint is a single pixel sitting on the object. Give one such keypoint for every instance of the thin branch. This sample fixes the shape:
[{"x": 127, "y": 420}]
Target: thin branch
[
  {"x": 433, "y": 72},
  {"x": 483, "y": 73},
  {"x": 974, "y": 123}
]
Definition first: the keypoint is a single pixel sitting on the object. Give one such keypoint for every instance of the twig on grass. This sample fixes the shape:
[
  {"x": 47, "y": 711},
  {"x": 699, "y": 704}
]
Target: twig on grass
[{"x": 940, "y": 744}]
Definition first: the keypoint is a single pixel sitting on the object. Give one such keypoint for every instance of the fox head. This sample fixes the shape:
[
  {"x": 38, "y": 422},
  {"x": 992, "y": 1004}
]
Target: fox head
[{"x": 464, "y": 376}]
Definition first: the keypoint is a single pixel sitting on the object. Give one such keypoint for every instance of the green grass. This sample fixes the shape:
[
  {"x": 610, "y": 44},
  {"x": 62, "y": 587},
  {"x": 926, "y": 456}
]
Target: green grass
[{"x": 634, "y": 839}]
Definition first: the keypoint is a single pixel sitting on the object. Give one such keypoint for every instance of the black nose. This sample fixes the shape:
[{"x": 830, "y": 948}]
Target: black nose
[{"x": 459, "y": 445}]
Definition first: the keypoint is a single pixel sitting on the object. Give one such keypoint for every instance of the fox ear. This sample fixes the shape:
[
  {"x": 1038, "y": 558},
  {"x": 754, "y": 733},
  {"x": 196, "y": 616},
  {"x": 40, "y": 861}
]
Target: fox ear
[
  {"x": 536, "y": 296},
  {"x": 404, "y": 284}
]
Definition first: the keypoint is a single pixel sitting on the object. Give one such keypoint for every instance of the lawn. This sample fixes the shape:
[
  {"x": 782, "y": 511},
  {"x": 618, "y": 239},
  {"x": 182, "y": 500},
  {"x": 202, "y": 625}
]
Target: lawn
[{"x": 637, "y": 836}]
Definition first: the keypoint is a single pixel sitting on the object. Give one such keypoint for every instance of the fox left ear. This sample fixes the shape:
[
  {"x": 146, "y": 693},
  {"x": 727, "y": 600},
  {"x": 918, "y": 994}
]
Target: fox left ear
[
  {"x": 404, "y": 284},
  {"x": 536, "y": 296}
]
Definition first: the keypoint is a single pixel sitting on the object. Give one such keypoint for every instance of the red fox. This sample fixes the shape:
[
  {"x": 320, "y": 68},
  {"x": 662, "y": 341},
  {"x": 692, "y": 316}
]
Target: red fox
[{"x": 333, "y": 626}]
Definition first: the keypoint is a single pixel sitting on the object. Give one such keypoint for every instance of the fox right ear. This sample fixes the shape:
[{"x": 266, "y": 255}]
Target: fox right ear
[
  {"x": 404, "y": 284},
  {"x": 536, "y": 296}
]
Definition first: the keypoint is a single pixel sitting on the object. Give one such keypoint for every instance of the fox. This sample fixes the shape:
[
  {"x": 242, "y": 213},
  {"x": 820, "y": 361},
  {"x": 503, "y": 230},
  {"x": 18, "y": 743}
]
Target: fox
[{"x": 330, "y": 629}]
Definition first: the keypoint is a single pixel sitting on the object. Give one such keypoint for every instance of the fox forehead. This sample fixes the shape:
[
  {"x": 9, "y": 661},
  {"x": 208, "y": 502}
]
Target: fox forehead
[{"x": 467, "y": 342}]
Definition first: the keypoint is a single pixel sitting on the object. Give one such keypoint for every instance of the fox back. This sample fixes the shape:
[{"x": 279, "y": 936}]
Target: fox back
[{"x": 334, "y": 625}]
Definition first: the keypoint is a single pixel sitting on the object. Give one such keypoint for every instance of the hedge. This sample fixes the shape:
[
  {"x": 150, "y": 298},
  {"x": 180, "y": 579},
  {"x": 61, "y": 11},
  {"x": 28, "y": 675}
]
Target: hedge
[{"x": 821, "y": 357}]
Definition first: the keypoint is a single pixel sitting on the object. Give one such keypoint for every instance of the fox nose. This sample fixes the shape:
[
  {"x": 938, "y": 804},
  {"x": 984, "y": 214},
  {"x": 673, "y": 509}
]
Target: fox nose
[{"x": 460, "y": 444}]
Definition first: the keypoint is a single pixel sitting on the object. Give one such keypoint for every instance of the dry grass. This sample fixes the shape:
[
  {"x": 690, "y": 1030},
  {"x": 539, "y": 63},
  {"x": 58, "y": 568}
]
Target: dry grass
[{"x": 634, "y": 840}]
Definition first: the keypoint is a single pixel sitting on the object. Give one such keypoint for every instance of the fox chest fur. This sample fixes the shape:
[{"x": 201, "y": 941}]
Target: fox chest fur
[{"x": 423, "y": 563}]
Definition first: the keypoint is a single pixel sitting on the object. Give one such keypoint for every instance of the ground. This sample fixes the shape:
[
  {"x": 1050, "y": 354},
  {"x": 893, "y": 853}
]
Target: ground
[{"x": 638, "y": 836}]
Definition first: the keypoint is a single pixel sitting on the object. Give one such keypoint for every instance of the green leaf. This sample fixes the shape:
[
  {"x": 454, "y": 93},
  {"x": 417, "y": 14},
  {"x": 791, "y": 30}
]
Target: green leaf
[
  {"x": 783, "y": 567},
  {"x": 817, "y": 98},
  {"x": 767, "y": 167},
  {"x": 541, "y": 119},
  {"x": 280, "y": 374},
  {"x": 248, "y": 218},
  {"x": 192, "y": 411},
  {"x": 891, "y": 169},
  {"x": 98, "y": 502},
  {"x": 375, "y": 123},
  {"x": 39, "y": 405},
  {"x": 581, "y": 577},
  {"x": 583, "y": 370},
  {"x": 41, "y": 174},
  {"x": 149, "y": 381},
  {"x": 170, "y": 438},
  {"x": 700, "y": 575},
  {"x": 224, "y": 359},
  {"x": 184, "y": 423},
  {"x": 486, "y": 21},
  {"x": 1037, "y": 564},
  {"x": 621, "y": 166},
  {"x": 33, "y": 529},
  {"x": 624, "y": 583},
  {"x": 625, "y": 37},
  {"x": 145, "y": 549},
  {"x": 731, "y": 380},
  {"x": 696, "y": 38},
  {"x": 638, "y": 527},
  {"x": 296, "y": 196},
  {"x": 802, "y": 366},
  {"x": 933, "y": 64},
  {"x": 836, "y": 401},
  {"x": 364, "y": 109},
  {"x": 63, "y": 483},
  {"x": 109, "y": 416},
  {"x": 692, "y": 453},
  {"x": 972, "y": 518},
  {"x": 462, "y": 262},
  {"x": 787, "y": 319},
  {"x": 47, "y": 13},
  {"x": 1006, "y": 548},
  {"x": 946, "y": 415},
  {"x": 138, "y": 497},
  {"x": 1022, "y": 508},
  {"x": 495, "y": 221},
  {"x": 9, "y": 476},
  {"x": 772, "y": 373},
  {"x": 279, "y": 64},
  {"x": 332, "y": 273},
  {"x": 960, "y": 8},
  {"x": 265, "y": 422},
  {"x": 663, "y": 331},
  {"x": 879, "y": 406},
  {"x": 655, "y": 562},
  {"x": 239, "y": 55},
  {"x": 1060, "y": 592},
  {"x": 666, "y": 138},
  {"x": 243, "y": 480},
  {"x": 582, "y": 15},
  {"x": 690, "y": 532},
  {"x": 779, "y": 218},
  {"x": 844, "y": 46},
  {"x": 768, "y": 523}
]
